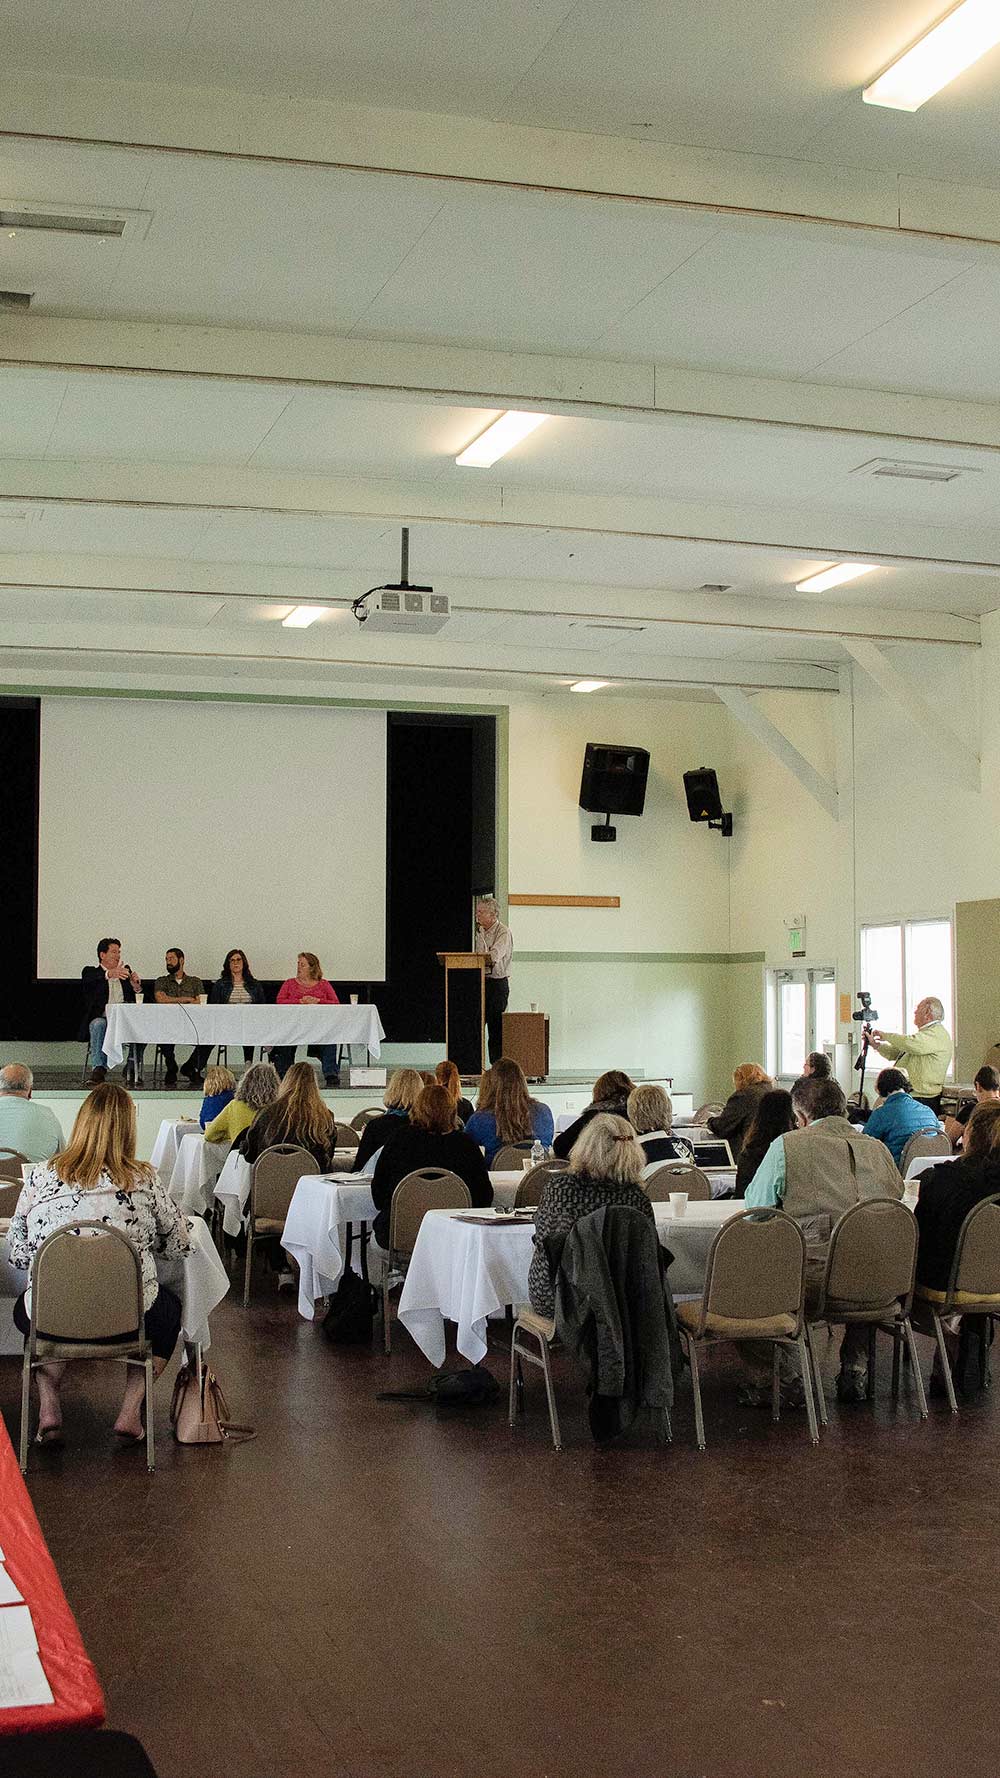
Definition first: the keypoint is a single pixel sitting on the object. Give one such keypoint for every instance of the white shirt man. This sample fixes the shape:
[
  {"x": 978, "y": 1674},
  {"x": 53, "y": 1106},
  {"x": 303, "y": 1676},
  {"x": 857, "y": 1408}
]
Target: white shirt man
[
  {"x": 33, "y": 1130},
  {"x": 494, "y": 940}
]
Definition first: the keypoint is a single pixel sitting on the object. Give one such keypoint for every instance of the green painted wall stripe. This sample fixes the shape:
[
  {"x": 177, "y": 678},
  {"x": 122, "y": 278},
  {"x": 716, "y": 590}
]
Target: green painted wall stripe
[{"x": 637, "y": 956}]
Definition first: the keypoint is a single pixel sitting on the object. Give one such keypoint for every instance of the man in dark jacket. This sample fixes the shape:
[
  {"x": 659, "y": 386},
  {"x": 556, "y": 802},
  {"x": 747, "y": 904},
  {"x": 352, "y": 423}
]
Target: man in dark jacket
[{"x": 110, "y": 982}]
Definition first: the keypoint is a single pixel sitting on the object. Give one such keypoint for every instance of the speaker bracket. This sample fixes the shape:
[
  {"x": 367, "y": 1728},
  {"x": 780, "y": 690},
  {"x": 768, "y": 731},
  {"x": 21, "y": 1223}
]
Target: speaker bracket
[
  {"x": 724, "y": 826},
  {"x": 607, "y": 832}
]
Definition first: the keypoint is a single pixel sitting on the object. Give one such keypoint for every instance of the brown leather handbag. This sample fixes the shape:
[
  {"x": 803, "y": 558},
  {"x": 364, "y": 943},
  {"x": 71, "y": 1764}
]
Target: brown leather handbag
[{"x": 199, "y": 1412}]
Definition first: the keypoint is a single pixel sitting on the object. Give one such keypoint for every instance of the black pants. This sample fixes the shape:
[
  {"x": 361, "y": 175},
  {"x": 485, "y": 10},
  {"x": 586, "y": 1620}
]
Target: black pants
[
  {"x": 933, "y": 1104},
  {"x": 195, "y": 1062},
  {"x": 162, "y": 1323},
  {"x": 497, "y": 995}
]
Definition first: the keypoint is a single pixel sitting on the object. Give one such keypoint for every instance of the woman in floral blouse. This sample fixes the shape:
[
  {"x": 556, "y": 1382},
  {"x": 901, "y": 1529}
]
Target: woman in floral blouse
[{"x": 97, "y": 1178}]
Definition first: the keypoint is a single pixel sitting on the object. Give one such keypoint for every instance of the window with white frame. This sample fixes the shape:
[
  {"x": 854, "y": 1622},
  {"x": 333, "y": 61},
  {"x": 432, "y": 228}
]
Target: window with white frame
[
  {"x": 801, "y": 1016},
  {"x": 902, "y": 962}
]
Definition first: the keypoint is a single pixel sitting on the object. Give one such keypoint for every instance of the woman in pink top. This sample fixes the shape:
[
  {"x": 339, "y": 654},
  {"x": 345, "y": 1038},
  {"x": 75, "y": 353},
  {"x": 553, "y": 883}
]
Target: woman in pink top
[{"x": 309, "y": 987}]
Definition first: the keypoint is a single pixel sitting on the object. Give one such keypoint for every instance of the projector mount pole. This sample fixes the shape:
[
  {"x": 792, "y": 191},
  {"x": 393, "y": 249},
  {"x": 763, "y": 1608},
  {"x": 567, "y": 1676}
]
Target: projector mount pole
[{"x": 404, "y": 557}]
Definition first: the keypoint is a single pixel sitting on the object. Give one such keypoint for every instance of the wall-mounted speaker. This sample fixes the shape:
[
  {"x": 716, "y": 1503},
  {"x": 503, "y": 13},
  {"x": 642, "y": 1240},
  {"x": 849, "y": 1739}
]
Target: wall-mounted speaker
[
  {"x": 613, "y": 783},
  {"x": 701, "y": 788}
]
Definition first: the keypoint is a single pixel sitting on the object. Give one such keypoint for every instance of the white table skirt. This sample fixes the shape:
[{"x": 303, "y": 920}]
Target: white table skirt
[
  {"x": 195, "y": 1171},
  {"x": 169, "y": 1137},
  {"x": 200, "y": 1280},
  {"x": 256, "y": 1025}
]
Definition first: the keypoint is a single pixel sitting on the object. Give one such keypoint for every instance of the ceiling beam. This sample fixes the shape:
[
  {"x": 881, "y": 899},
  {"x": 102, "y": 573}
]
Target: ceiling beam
[
  {"x": 910, "y": 703},
  {"x": 281, "y": 128},
  {"x": 558, "y": 383},
  {"x": 782, "y": 749}
]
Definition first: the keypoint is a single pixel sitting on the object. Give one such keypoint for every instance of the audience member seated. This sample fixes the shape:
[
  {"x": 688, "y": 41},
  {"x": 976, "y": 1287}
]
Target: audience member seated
[
  {"x": 237, "y": 986},
  {"x": 96, "y": 1178},
  {"x": 111, "y": 983},
  {"x": 32, "y": 1129},
  {"x": 447, "y": 1076},
  {"x": 298, "y": 1115},
  {"x": 431, "y": 1138},
  {"x": 220, "y": 1088},
  {"x": 815, "y": 1173},
  {"x": 750, "y": 1083},
  {"x": 403, "y": 1090},
  {"x": 611, "y": 1093},
  {"x": 947, "y": 1194},
  {"x": 899, "y": 1116},
  {"x": 817, "y": 1066},
  {"x": 177, "y": 988},
  {"x": 257, "y": 1088},
  {"x": 986, "y": 1087},
  {"x": 651, "y": 1114},
  {"x": 605, "y": 1167},
  {"x": 308, "y": 987},
  {"x": 506, "y": 1112},
  {"x": 773, "y": 1117}
]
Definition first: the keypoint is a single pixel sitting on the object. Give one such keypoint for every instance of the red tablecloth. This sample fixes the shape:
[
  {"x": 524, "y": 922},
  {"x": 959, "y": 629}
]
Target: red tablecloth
[{"x": 78, "y": 1699}]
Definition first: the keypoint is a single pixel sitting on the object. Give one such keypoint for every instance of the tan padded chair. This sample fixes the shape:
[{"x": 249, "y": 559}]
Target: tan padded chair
[
  {"x": 529, "y": 1187},
  {"x": 924, "y": 1142},
  {"x": 541, "y": 1332},
  {"x": 511, "y": 1158},
  {"x": 87, "y": 1297},
  {"x": 9, "y": 1195},
  {"x": 678, "y": 1176},
  {"x": 868, "y": 1279},
  {"x": 429, "y": 1188},
  {"x": 362, "y": 1118},
  {"x": 347, "y": 1135},
  {"x": 974, "y": 1285},
  {"x": 11, "y": 1162},
  {"x": 273, "y": 1178},
  {"x": 754, "y": 1290}
]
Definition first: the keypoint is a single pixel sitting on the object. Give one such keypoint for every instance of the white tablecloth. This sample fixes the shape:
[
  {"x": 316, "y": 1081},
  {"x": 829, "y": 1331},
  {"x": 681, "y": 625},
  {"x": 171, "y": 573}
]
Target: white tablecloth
[
  {"x": 921, "y": 1162},
  {"x": 169, "y": 1137},
  {"x": 195, "y": 1171},
  {"x": 287, "y": 1025},
  {"x": 233, "y": 1187}
]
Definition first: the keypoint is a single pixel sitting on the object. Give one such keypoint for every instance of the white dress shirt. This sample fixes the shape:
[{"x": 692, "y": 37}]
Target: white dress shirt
[{"x": 498, "y": 947}]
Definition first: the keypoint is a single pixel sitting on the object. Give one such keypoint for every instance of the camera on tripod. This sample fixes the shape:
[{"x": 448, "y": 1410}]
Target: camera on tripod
[{"x": 866, "y": 1013}]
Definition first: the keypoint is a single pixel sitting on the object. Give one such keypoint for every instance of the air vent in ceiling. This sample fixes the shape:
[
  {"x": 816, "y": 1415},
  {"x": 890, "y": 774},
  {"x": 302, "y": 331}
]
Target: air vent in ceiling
[
  {"x": 898, "y": 469},
  {"x": 714, "y": 586},
  {"x": 620, "y": 629},
  {"x": 72, "y": 219},
  {"x": 15, "y": 299}
]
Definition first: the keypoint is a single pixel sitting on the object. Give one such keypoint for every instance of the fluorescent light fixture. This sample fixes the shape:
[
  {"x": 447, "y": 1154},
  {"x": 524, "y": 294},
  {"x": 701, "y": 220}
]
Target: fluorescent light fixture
[
  {"x": 499, "y": 438},
  {"x": 947, "y": 49},
  {"x": 838, "y": 575},
  {"x": 303, "y": 616},
  {"x": 589, "y": 684}
]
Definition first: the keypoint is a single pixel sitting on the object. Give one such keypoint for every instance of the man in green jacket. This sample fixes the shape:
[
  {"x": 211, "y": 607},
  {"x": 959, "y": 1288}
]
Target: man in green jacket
[{"x": 925, "y": 1056}]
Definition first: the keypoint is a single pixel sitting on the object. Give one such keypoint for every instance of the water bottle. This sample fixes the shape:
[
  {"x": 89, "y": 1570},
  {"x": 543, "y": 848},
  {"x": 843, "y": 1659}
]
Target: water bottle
[{"x": 537, "y": 1152}]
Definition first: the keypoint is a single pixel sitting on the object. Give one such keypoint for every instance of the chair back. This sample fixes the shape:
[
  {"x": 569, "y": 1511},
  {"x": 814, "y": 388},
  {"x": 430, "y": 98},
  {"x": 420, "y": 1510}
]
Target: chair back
[
  {"x": 975, "y": 1271},
  {"x": 529, "y": 1187},
  {"x": 704, "y": 1112},
  {"x": 429, "y": 1188},
  {"x": 923, "y": 1142},
  {"x": 362, "y": 1118},
  {"x": 11, "y": 1162},
  {"x": 346, "y": 1135},
  {"x": 756, "y": 1269},
  {"x": 511, "y": 1158},
  {"x": 872, "y": 1258},
  {"x": 678, "y": 1176},
  {"x": 9, "y": 1194},
  {"x": 273, "y": 1179},
  {"x": 86, "y": 1284}
]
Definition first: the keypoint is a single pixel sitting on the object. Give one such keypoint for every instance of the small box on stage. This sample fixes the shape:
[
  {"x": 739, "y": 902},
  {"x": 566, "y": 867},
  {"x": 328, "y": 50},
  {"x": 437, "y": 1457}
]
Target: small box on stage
[{"x": 367, "y": 1077}]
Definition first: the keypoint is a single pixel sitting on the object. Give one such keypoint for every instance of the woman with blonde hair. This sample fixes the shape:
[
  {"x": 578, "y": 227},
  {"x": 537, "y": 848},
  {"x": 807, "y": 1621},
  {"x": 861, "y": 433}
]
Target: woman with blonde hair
[
  {"x": 506, "y": 1112},
  {"x": 309, "y": 987},
  {"x": 431, "y": 1138},
  {"x": 732, "y": 1123},
  {"x": 218, "y": 1089},
  {"x": 605, "y": 1167},
  {"x": 651, "y": 1113},
  {"x": 257, "y": 1087},
  {"x": 401, "y": 1094},
  {"x": 447, "y": 1076},
  {"x": 298, "y": 1115},
  {"x": 96, "y": 1178}
]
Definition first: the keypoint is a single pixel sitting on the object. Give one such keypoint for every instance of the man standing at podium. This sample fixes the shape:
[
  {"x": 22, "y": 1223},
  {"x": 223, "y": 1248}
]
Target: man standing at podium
[{"x": 493, "y": 938}]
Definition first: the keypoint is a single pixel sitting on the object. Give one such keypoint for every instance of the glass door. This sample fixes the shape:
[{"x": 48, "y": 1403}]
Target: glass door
[{"x": 802, "y": 1016}]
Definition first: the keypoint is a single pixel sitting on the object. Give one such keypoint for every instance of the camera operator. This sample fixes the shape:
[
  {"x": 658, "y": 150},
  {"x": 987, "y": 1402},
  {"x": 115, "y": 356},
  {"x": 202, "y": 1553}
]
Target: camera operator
[{"x": 925, "y": 1056}]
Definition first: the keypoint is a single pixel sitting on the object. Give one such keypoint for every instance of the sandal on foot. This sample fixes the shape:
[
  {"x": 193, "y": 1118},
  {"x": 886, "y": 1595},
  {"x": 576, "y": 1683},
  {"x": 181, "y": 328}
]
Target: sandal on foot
[{"x": 52, "y": 1436}]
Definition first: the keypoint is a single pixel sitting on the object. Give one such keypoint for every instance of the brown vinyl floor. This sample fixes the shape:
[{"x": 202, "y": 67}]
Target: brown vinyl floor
[{"x": 372, "y": 1590}]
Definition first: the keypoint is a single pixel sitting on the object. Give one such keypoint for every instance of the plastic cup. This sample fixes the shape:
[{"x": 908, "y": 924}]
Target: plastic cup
[
  {"x": 678, "y": 1202},
  {"x": 202, "y": 999},
  {"x": 527, "y": 1165},
  {"x": 354, "y": 1000},
  {"x": 139, "y": 997},
  {"x": 534, "y": 1006}
]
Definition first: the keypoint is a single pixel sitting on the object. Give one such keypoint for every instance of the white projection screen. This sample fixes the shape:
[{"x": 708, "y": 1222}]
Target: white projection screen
[{"x": 209, "y": 826}]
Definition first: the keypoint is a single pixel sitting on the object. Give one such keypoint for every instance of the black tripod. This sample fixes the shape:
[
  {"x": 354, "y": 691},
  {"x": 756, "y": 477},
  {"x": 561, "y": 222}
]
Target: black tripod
[{"x": 862, "y": 1062}]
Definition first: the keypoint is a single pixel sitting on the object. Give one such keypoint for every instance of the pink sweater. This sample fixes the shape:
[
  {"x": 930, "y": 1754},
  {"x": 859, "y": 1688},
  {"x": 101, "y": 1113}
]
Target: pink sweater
[{"x": 291, "y": 992}]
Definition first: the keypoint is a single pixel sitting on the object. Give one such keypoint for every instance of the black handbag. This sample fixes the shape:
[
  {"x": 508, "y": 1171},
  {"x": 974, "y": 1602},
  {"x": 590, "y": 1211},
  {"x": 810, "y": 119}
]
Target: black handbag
[{"x": 351, "y": 1316}]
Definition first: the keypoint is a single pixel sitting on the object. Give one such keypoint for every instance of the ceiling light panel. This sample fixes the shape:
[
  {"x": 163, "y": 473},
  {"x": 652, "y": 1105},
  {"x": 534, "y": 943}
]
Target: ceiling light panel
[
  {"x": 589, "y": 684},
  {"x": 898, "y": 469},
  {"x": 303, "y": 616},
  {"x": 80, "y": 220},
  {"x": 838, "y": 574},
  {"x": 505, "y": 432},
  {"x": 936, "y": 59}
]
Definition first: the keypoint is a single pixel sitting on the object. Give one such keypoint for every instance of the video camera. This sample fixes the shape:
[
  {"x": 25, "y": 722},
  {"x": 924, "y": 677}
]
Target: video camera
[{"x": 866, "y": 1013}]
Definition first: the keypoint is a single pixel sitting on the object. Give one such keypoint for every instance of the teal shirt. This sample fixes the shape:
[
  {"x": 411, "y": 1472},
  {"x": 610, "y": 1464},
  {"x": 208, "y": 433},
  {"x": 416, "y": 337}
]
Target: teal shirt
[
  {"x": 767, "y": 1186},
  {"x": 29, "y": 1127}
]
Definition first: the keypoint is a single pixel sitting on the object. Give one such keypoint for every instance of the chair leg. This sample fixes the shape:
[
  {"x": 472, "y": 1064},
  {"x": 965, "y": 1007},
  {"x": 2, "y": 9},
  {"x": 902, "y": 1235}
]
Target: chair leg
[
  {"x": 914, "y": 1365},
  {"x": 699, "y": 1418},
  {"x": 550, "y": 1391},
  {"x": 150, "y": 1454},
  {"x": 897, "y": 1341},
  {"x": 949, "y": 1382},
  {"x": 775, "y": 1384},
  {"x": 817, "y": 1373},
  {"x": 807, "y": 1387},
  {"x": 249, "y": 1262},
  {"x": 25, "y": 1409},
  {"x": 386, "y": 1335},
  {"x": 872, "y": 1332}
]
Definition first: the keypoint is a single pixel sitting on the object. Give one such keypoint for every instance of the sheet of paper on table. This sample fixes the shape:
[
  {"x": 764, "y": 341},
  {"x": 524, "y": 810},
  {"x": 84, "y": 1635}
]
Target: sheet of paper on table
[
  {"x": 9, "y": 1594},
  {"x": 23, "y": 1681}
]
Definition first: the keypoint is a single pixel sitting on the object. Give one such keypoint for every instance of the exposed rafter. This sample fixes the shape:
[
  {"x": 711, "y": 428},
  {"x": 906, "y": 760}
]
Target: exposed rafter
[
  {"x": 778, "y": 744},
  {"x": 962, "y": 761}
]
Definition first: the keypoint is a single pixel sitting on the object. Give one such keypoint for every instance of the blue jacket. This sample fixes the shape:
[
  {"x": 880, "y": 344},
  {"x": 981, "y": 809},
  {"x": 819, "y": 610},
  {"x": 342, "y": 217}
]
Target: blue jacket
[
  {"x": 482, "y": 1127},
  {"x": 898, "y": 1119}
]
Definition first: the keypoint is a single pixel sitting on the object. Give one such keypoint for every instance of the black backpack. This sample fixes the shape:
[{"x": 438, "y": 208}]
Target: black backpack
[
  {"x": 451, "y": 1389},
  {"x": 351, "y": 1315}
]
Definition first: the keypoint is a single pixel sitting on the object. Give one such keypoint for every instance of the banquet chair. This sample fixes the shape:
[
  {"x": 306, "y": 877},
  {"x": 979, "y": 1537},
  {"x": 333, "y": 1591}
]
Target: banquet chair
[
  {"x": 346, "y": 1135},
  {"x": 754, "y": 1290},
  {"x": 9, "y": 1194},
  {"x": 273, "y": 1178},
  {"x": 529, "y": 1186},
  {"x": 868, "y": 1279},
  {"x": 678, "y": 1176},
  {"x": 541, "y": 1332},
  {"x": 362, "y": 1118},
  {"x": 11, "y": 1162},
  {"x": 429, "y": 1188},
  {"x": 511, "y": 1158},
  {"x": 973, "y": 1287},
  {"x": 924, "y": 1142},
  {"x": 87, "y": 1296}
]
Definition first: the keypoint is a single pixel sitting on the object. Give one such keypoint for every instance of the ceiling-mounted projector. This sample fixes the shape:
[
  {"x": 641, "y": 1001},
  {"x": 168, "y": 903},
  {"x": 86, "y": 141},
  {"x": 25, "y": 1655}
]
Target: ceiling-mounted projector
[{"x": 401, "y": 607}]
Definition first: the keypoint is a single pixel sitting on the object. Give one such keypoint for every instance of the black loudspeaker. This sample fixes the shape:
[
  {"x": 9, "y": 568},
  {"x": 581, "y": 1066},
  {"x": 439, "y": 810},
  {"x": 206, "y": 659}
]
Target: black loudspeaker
[
  {"x": 614, "y": 779},
  {"x": 701, "y": 789}
]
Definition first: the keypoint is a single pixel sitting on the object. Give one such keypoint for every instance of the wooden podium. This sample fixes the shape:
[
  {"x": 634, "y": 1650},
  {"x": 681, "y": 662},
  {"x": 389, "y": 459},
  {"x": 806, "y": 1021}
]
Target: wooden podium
[
  {"x": 465, "y": 1009},
  {"x": 526, "y": 1040}
]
